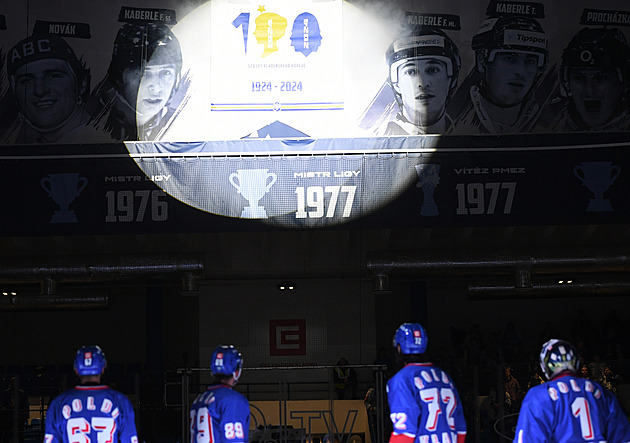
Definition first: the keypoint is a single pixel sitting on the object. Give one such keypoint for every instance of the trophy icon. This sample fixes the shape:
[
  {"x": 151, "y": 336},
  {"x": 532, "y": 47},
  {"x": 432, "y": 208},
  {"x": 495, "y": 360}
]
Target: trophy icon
[
  {"x": 63, "y": 189},
  {"x": 429, "y": 178},
  {"x": 253, "y": 184},
  {"x": 597, "y": 177}
]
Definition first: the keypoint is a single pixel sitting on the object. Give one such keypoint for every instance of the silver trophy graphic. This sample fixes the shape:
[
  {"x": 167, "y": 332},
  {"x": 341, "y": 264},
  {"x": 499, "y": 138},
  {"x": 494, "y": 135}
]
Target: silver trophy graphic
[
  {"x": 597, "y": 177},
  {"x": 429, "y": 178},
  {"x": 253, "y": 184},
  {"x": 63, "y": 189}
]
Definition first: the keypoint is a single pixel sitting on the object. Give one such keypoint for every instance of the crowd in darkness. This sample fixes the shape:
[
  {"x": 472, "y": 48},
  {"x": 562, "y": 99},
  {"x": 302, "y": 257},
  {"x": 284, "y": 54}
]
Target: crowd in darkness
[{"x": 506, "y": 362}]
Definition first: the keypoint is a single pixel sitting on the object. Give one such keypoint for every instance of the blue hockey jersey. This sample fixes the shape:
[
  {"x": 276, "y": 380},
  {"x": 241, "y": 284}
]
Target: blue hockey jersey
[
  {"x": 90, "y": 413},
  {"x": 219, "y": 415},
  {"x": 424, "y": 405},
  {"x": 571, "y": 409}
]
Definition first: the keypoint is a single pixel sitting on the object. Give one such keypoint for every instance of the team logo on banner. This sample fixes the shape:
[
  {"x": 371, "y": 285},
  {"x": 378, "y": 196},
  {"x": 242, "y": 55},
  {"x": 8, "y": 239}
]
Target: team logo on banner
[{"x": 287, "y": 337}]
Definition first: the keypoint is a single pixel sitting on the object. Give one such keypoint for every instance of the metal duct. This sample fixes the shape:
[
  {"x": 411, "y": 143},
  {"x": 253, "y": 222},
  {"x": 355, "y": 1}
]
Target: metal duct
[
  {"x": 508, "y": 262},
  {"x": 605, "y": 273},
  {"x": 30, "y": 302},
  {"x": 545, "y": 290},
  {"x": 82, "y": 268}
]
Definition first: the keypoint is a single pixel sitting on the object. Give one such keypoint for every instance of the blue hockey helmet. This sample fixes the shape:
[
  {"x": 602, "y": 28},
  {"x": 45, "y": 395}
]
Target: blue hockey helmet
[
  {"x": 226, "y": 360},
  {"x": 412, "y": 338},
  {"x": 90, "y": 360},
  {"x": 557, "y": 356}
]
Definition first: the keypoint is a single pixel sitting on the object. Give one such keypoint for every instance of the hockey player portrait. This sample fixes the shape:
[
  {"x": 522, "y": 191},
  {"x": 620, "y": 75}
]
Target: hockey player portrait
[
  {"x": 220, "y": 414},
  {"x": 569, "y": 408},
  {"x": 419, "y": 391},
  {"x": 138, "y": 99},
  {"x": 90, "y": 411},
  {"x": 594, "y": 77},
  {"x": 503, "y": 101},
  {"x": 50, "y": 86},
  {"x": 423, "y": 65}
]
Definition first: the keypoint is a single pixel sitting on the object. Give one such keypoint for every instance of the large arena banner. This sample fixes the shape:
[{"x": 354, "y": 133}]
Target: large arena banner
[
  {"x": 312, "y": 113},
  {"x": 103, "y": 191}
]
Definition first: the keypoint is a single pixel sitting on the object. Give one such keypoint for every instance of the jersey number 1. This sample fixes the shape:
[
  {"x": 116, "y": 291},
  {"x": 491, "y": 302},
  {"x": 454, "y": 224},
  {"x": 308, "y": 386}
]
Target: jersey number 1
[{"x": 581, "y": 410}]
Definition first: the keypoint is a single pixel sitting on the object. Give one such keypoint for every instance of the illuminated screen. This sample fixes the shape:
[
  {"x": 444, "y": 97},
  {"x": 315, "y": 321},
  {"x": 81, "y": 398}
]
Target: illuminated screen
[{"x": 308, "y": 113}]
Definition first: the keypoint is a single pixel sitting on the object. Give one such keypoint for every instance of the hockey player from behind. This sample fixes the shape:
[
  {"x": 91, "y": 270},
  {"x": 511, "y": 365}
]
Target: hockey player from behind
[
  {"x": 423, "y": 401},
  {"x": 91, "y": 411},
  {"x": 569, "y": 408},
  {"x": 220, "y": 414}
]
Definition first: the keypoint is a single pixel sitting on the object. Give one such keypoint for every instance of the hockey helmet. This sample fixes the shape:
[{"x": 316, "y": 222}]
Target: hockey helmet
[
  {"x": 423, "y": 42},
  {"x": 137, "y": 45},
  {"x": 90, "y": 360},
  {"x": 598, "y": 48},
  {"x": 412, "y": 338},
  {"x": 512, "y": 34},
  {"x": 226, "y": 360},
  {"x": 48, "y": 46},
  {"x": 557, "y": 356}
]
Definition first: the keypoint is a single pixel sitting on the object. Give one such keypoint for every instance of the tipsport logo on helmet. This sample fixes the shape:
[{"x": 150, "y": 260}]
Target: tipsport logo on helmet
[{"x": 525, "y": 38}]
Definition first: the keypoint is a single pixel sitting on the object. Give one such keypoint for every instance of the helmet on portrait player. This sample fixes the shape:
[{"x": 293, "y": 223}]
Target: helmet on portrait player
[
  {"x": 558, "y": 356},
  {"x": 412, "y": 338},
  {"x": 423, "y": 42},
  {"x": 226, "y": 360},
  {"x": 513, "y": 34},
  {"x": 38, "y": 47},
  {"x": 597, "y": 48},
  {"x": 137, "y": 45},
  {"x": 90, "y": 360}
]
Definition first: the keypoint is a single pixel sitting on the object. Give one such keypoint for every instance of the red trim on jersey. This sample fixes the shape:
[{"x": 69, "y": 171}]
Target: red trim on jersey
[
  {"x": 461, "y": 438},
  {"x": 564, "y": 374},
  {"x": 420, "y": 364},
  {"x": 91, "y": 388},
  {"x": 401, "y": 438}
]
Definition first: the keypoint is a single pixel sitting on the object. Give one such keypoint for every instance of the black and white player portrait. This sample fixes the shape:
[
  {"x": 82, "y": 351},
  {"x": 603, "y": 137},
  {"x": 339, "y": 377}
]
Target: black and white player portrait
[
  {"x": 424, "y": 65},
  {"x": 511, "y": 56},
  {"x": 594, "y": 76},
  {"x": 137, "y": 99},
  {"x": 50, "y": 86}
]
